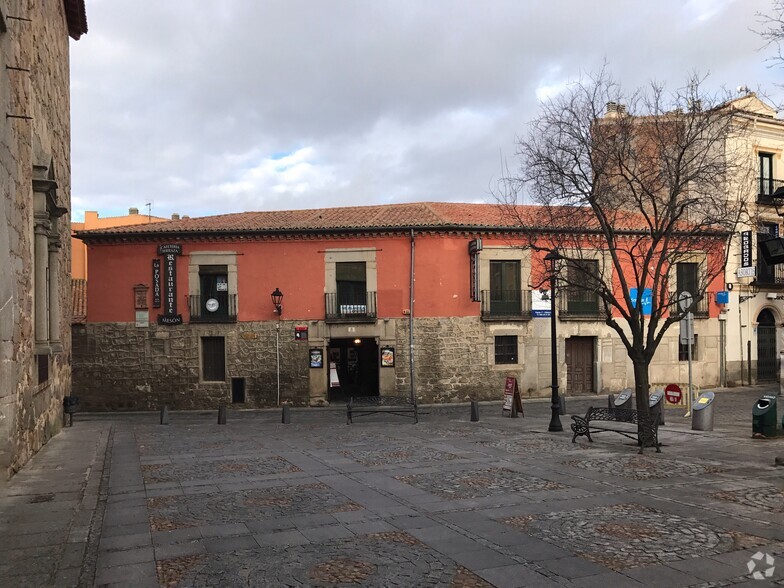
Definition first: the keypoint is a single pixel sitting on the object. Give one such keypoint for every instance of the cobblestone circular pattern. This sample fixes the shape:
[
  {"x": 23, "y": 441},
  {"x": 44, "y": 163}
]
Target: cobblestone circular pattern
[
  {"x": 768, "y": 498},
  {"x": 398, "y": 455},
  {"x": 630, "y": 535},
  {"x": 244, "y": 505},
  {"x": 642, "y": 467},
  {"x": 544, "y": 445},
  {"x": 380, "y": 560},
  {"x": 479, "y": 483},
  {"x": 205, "y": 469}
]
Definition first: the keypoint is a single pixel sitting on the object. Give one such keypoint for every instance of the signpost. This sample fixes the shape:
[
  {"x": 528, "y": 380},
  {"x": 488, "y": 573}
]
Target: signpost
[
  {"x": 673, "y": 394},
  {"x": 512, "y": 401},
  {"x": 685, "y": 301}
]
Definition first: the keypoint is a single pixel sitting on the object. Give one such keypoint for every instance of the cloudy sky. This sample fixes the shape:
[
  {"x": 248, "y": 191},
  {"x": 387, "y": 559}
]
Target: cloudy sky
[{"x": 202, "y": 107}]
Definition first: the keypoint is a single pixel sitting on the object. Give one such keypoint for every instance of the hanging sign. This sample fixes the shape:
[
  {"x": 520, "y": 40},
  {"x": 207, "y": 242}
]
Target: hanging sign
[
  {"x": 512, "y": 401},
  {"x": 156, "y": 283},
  {"x": 170, "y": 253},
  {"x": 165, "y": 248},
  {"x": 745, "y": 249}
]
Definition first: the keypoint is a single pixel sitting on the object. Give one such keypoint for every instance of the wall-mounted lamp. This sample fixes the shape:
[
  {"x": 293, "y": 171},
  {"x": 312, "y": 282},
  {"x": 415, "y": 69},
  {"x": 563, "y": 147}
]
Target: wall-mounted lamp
[
  {"x": 277, "y": 301},
  {"x": 753, "y": 290}
]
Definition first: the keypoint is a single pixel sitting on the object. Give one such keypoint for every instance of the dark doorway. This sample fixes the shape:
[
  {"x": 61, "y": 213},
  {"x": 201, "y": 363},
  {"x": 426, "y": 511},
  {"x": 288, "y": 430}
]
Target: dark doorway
[
  {"x": 237, "y": 390},
  {"x": 356, "y": 365},
  {"x": 579, "y": 365},
  {"x": 766, "y": 346}
]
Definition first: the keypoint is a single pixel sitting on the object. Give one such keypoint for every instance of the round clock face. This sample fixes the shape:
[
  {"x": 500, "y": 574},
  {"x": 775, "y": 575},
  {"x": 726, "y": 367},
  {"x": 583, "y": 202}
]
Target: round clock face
[{"x": 211, "y": 305}]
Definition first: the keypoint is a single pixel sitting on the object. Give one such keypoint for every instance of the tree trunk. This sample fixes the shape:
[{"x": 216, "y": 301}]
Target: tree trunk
[
  {"x": 641, "y": 389},
  {"x": 641, "y": 385}
]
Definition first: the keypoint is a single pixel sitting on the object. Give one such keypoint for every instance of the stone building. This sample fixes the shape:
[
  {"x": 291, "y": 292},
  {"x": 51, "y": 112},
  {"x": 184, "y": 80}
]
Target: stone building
[
  {"x": 752, "y": 323},
  {"x": 35, "y": 183},
  {"x": 182, "y": 312}
]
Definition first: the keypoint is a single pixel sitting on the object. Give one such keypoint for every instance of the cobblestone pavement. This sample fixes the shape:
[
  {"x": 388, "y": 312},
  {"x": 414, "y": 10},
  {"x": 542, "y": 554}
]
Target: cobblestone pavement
[{"x": 121, "y": 500}]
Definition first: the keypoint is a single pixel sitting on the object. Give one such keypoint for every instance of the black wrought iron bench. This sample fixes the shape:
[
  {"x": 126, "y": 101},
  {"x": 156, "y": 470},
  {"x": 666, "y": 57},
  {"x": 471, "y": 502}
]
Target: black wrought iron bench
[
  {"x": 646, "y": 433},
  {"x": 358, "y": 406}
]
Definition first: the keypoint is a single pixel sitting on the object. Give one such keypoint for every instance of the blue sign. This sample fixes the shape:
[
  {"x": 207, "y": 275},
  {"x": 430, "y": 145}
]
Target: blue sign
[
  {"x": 722, "y": 297},
  {"x": 647, "y": 300}
]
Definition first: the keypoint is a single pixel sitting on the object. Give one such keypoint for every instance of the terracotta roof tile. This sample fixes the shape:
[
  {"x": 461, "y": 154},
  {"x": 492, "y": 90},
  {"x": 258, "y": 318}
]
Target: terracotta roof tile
[
  {"x": 419, "y": 215},
  {"x": 79, "y": 302}
]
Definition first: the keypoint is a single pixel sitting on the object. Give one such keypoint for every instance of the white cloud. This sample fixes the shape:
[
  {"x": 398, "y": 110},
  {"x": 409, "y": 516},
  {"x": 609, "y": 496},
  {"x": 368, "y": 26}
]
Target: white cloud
[{"x": 366, "y": 101}]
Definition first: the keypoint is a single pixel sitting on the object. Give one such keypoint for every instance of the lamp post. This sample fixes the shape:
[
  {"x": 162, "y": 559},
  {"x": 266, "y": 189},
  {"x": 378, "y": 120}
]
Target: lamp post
[
  {"x": 555, "y": 420},
  {"x": 277, "y": 302}
]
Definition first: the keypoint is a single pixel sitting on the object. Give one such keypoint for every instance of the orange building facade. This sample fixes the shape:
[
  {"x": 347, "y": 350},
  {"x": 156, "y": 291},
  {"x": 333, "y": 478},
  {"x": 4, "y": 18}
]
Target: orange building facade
[
  {"x": 181, "y": 313},
  {"x": 93, "y": 221}
]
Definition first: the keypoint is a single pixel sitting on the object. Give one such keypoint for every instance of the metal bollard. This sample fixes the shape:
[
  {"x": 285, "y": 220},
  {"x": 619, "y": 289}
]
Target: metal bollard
[
  {"x": 165, "y": 415},
  {"x": 286, "y": 418},
  {"x": 474, "y": 411},
  {"x": 610, "y": 400},
  {"x": 222, "y": 414},
  {"x": 562, "y": 405}
]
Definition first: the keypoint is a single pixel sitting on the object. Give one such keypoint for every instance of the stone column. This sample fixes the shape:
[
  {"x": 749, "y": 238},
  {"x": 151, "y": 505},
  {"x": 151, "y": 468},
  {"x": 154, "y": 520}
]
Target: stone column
[
  {"x": 41, "y": 289},
  {"x": 54, "y": 293}
]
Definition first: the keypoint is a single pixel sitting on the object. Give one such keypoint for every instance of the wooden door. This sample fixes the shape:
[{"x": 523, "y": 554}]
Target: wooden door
[
  {"x": 767, "y": 368},
  {"x": 579, "y": 365}
]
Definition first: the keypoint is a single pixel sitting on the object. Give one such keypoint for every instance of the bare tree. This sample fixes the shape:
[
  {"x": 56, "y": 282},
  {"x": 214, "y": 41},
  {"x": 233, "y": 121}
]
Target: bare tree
[
  {"x": 626, "y": 186},
  {"x": 773, "y": 29}
]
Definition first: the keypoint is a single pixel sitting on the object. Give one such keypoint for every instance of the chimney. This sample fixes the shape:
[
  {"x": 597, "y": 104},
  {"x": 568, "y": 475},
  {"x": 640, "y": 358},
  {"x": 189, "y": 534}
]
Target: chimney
[
  {"x": 612, "y": 108},
  {"x": 133, "y": 211},
  {"x": 175, "y": 216},
  {"x": 184, "y": 216}
]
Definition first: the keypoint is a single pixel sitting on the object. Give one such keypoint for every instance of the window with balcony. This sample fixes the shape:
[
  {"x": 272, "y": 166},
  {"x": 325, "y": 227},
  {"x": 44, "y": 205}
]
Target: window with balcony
[
  {"x": 505, "y": 300},
  {"x": 351, "y": 300},
  {"x": 212, "y": 284},
  {"x": 506, "y": 349},
  {"x": 686, "y": 276},
  {"x": 766, "y": 181},
  {"x": 581, "y": 301}
]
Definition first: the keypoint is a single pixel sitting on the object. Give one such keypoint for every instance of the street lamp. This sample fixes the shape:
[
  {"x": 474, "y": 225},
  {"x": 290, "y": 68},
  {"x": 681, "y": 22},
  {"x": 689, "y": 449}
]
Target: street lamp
[
  {"x": 555, "y": 420},
  {"x": 277, "y": 300}
]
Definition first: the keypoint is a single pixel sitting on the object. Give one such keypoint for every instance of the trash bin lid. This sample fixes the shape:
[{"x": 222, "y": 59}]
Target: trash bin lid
[
  {"x": 764, "y": 404},
  {"x": 705, "y": 400},
  {"x": 623, "y": 397},
  {"x": 655, "y": 397}
]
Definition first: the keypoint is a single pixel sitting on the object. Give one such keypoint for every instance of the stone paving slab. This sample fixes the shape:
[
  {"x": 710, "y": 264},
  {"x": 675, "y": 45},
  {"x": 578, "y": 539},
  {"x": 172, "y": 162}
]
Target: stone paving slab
[{"x": 120, "y": 500}]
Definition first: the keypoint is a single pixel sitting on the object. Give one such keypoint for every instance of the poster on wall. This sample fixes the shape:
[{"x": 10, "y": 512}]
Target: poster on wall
[
  {"x": 387, "y": 357},
  {"x": 316, "y": 358}
]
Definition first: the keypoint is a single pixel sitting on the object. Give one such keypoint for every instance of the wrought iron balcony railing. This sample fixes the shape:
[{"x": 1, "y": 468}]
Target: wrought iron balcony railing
[
  {"x": 701, "y": 310},
  {"x": 576, "y": 303},
  {"x": 769, "y": 276},
  {"x": 220, "y": 308},
  {"x": 766, "y": 187},
  {"x": 506, "y": 305},
  {"x": 351, "y": 309}
]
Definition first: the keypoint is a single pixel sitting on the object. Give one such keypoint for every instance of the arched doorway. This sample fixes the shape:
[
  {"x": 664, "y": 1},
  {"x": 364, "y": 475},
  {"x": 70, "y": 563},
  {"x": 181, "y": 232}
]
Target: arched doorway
[{"x": 766, "y": 346}]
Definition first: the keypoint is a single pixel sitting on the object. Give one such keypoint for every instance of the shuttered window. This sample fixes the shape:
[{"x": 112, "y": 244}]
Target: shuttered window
[
  {"x": 213, "y": 359},
  {"x": 506, "y": 349}
]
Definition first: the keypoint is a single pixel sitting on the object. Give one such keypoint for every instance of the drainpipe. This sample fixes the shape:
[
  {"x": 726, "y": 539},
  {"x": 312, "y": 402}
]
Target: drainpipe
[{"x": 411, "y": 323}]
